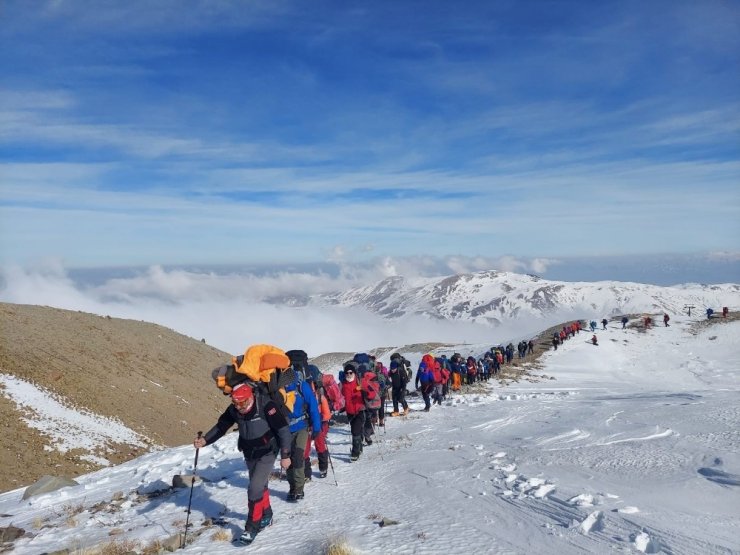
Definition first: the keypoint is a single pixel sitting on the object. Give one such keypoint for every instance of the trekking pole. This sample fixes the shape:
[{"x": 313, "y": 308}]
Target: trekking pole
[
  {"x": 190, "y": 500},
  {"x": 331, "y": 464}
]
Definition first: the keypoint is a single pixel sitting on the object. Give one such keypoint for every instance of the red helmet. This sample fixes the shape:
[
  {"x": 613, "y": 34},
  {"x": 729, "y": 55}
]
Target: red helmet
[{"x": 241, "y": 393}]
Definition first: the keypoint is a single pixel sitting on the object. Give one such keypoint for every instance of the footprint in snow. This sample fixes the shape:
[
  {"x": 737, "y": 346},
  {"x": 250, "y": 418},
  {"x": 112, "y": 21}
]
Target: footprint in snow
[
  {"x": 628, "y": 510},
  {"x": 645, "y": 544},
  {"x": 544, "y": 490},
  {"x": 582, "y": 500},
  {"x": 593, "y": 523}
]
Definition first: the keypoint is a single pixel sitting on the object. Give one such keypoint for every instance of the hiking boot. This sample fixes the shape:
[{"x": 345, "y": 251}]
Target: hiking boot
[
  {"x": 295, "y": 497},
  {"x": 395, "y": 413},
  {"x": 368, "y": 441},
  {"x": 251, "y": 529},
  {"x": 405, "y": 411},
  {"x": 322, "y": 474},
  {"x": 266, "y": 519},
  {"x": 246, "y": 538}
]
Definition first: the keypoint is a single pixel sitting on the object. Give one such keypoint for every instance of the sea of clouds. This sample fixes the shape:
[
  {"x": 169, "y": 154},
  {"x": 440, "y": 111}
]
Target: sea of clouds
[{"x": 233, "y": 307}]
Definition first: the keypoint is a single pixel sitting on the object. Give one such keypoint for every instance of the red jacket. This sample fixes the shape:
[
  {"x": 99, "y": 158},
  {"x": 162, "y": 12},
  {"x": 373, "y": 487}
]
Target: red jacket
[{"x": 352, "y": 397}]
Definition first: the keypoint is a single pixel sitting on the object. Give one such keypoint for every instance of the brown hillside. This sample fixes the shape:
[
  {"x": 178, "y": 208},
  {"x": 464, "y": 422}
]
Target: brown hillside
[{"x": 155, "y": 381}]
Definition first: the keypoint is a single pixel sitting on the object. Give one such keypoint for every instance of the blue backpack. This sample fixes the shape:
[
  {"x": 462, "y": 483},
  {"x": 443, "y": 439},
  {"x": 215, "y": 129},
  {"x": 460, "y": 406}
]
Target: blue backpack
[{"x": 363, "y": 364}]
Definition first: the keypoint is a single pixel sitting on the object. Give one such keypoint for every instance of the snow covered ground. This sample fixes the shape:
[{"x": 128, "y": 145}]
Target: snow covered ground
[{"x": 634, "y": 446}]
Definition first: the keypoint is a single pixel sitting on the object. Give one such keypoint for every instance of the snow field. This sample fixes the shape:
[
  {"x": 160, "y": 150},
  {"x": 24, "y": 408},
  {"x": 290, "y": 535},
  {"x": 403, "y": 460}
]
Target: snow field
[{"x": 633, "y": 448}]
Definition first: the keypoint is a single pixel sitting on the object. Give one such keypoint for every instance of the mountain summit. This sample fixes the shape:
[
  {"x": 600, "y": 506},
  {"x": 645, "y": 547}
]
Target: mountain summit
[{"x": 493, "y": 297}]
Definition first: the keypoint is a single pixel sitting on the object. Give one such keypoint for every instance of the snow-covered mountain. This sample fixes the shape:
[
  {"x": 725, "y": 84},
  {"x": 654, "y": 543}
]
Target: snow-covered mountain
[{"x": 495, "y": 297}]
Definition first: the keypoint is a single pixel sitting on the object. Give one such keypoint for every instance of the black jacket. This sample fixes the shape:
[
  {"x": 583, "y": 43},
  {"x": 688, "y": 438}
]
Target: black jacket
[{"x": 261, "y": 430}]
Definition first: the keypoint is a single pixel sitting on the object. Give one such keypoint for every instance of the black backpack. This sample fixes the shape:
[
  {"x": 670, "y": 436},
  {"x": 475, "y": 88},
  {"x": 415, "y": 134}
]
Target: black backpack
[{"x": 299, "y": 362}]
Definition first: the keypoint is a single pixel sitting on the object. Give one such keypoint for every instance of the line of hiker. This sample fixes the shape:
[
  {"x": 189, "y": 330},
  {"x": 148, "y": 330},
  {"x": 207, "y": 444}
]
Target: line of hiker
[
  {"x": 568, "y": 331},
  {"x": 281, "y": 404}
]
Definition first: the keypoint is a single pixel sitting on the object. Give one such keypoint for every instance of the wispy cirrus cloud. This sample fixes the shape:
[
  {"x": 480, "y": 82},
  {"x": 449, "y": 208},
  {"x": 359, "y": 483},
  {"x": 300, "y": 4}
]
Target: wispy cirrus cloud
[{"x": 287, "y": 130}]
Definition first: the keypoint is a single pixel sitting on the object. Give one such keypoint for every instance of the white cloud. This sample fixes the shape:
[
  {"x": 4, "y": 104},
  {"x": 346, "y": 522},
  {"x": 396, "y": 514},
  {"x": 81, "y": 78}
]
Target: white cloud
[{"x": 227, "y": 310}]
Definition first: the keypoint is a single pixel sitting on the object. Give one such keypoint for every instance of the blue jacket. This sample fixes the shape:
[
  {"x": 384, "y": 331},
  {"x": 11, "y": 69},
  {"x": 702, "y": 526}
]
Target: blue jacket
[
  {"x": 305, "y": 404},
  {"x": 424, "y": 375}
]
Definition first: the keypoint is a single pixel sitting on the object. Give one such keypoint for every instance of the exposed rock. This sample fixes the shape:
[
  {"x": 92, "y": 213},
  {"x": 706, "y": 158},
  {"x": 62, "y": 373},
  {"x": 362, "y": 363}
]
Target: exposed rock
[
  {"x": 184, "y": 480},
  {"x": 11, "y": 533},
  {"x": 47, "y": 484}
]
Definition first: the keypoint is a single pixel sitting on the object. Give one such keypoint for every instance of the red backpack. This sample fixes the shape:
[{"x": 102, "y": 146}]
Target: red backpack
[
  {"x": 437, "y": 373},
  {"x": 371, "y": 391},
  {"x": 333, "y": 392}
]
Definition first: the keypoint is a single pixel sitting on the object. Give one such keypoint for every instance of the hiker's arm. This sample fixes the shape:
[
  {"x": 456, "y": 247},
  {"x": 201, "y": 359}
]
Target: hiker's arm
[
  {"x": 281, "y": 429},
  {"x": 223, "y": 425},
  {"x": 313, "y": 409}
]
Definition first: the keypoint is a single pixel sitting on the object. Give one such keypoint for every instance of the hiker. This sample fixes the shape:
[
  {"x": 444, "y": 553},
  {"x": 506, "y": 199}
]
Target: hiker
[
  {"x": 263, "y": 433},
  {"x": 555, "y": 340},
  {"x": 710, "y": 311},
  {"x": 305, "y": 411},
  {"x": 322, "y": 451},
  {"x": 437, "y": 379},
  {"x": 592, "y": 325},
  {"x": 355, "y": 408},
  {"x": 604, "y": 322},
  {"x": 456, "y": 371},
  {"x": 498, "y": 361},
  {"x": 725, "y": 311},
  {"x": 425, "y": 379},
  {"x": 530, "y": 347},
  {"x": 398, "y": 380},
  {"x": 665, "y": 319},
  {"x": 471, "y": 368},
  {"x": 594, "y": 340},
  {"x": 364, "y": 363},
  {"x": 624, "y": 321},
  {"x": 382, "y": 373},
  {"x": 445, "y": 365}
]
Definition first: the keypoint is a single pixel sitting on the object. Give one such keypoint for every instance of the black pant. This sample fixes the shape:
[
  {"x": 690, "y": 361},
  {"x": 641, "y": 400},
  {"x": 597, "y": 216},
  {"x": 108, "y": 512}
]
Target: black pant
[
  {"x": 356, "y": 425},
  {"x": 399, "y": 396},
  {"x": 368, "y": 428},
  {"x": 426, "y": 392}
]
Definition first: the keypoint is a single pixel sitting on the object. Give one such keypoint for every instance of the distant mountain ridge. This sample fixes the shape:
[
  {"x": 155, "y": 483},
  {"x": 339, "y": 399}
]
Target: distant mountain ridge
[{"x": 493, "y": 297}]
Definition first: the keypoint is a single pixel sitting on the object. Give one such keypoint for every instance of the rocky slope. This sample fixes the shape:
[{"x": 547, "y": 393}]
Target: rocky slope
[{"x": 153, "y": 380}]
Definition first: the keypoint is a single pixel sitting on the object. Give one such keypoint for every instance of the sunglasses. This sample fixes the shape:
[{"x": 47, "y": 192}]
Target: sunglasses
[
  {"x": 242, "y": 404},
  {"x": 349, "y": 372}
]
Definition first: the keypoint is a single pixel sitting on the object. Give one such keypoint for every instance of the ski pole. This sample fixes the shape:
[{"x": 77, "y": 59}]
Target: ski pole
[{"x": 190, "y": 500}]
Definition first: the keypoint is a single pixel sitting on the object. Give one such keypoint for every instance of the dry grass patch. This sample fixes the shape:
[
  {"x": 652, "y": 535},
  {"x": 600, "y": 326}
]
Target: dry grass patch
[
  {"x": 221, "y": 536},
  {"x": 118, "y": 547},
  {"x": 338, "y": 546}
]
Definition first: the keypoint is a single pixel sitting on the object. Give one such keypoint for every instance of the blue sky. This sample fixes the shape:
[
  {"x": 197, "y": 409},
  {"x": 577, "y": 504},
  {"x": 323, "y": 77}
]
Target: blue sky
[{"x": 210, "y": 132}]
